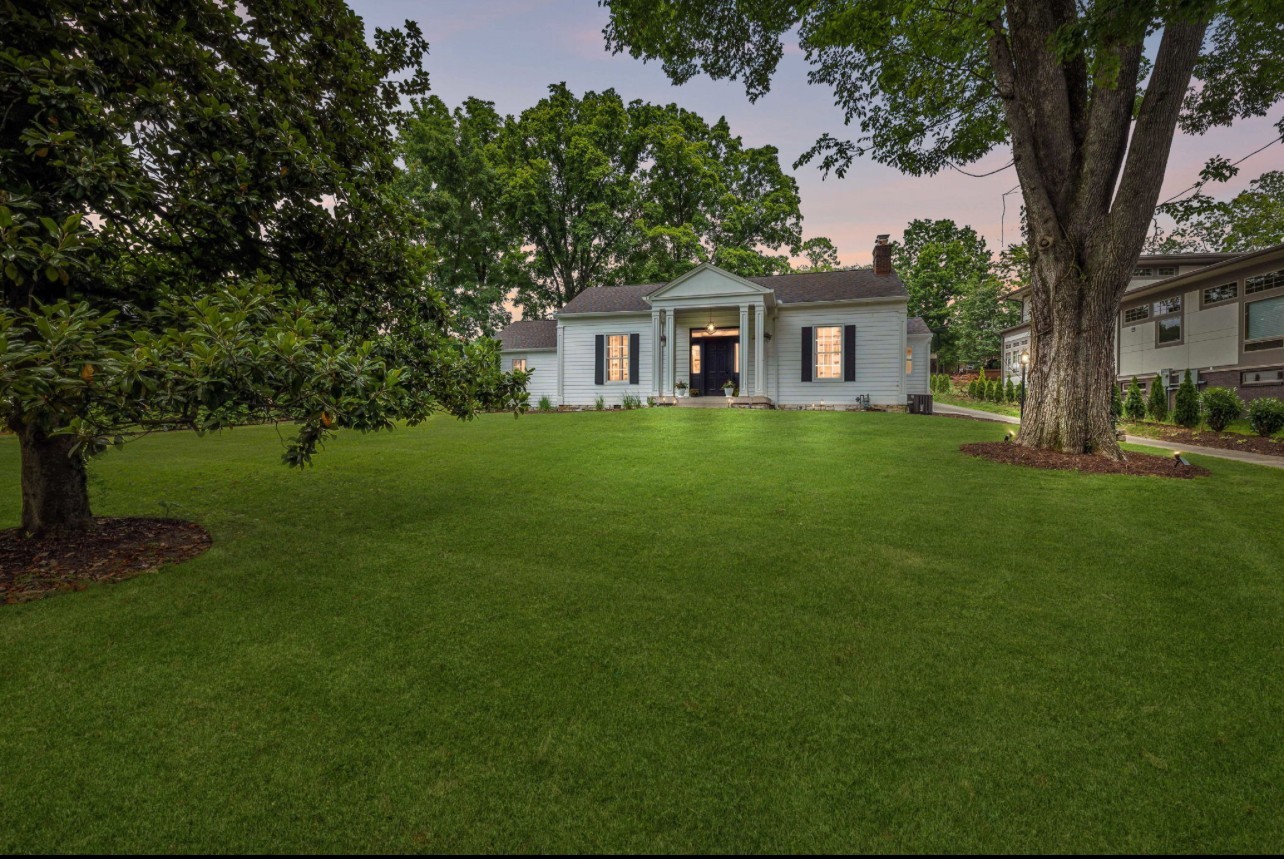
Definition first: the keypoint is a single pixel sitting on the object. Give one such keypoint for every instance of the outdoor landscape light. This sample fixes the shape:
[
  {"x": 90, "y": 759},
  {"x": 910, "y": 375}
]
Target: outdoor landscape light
[{"x": 1179, "y": 460}]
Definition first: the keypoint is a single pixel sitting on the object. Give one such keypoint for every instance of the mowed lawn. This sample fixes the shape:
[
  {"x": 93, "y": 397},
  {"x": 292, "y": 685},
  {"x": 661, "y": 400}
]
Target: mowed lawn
[{"x": 692, "y": 630}]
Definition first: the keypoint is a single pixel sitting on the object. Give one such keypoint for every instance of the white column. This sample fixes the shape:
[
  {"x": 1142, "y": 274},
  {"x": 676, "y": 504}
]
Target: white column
[
  {"x": 670, "y": 373},
  {"x": 561, "y": 364},
  {"x": 655, "y": 353},
  {"x": 744, "y": 350},
  {"x": 759, "y": 366}
]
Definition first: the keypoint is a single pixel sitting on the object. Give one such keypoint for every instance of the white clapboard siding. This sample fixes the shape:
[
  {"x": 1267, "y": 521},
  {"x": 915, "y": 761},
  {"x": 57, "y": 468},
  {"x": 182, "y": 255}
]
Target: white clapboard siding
[
  {"x": 880, "y": 354},
  {"x": 578, "y": 362},
  {"x": 917, "y": 381},
  {"x": 543, "y": 366}
]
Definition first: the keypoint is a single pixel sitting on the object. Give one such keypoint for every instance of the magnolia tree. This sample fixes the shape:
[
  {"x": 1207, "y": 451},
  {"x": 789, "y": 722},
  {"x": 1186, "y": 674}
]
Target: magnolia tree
[
  {"x": 195, "y": 231},
  {"x": 1088, "y": 96}
]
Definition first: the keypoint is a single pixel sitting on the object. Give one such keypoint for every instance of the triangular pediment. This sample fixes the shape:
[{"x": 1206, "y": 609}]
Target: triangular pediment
[{"x": 708, "y": 281}]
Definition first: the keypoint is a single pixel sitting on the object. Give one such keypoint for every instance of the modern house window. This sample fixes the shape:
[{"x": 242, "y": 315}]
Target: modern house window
[
  {"x": 1161, "y": 271},
  {"x": 829, "y": 352},
  {"x": 1264, "y": 324},
  {"x": 1262, "y": 377},
  {"x": 617, "y": 358},
  {"x": 695, "y": 357},
  {"x": 1136, "y": 314},
  {"x": 519, "y": 363},
  {"x": 1171, "y": 304},
  {"x": 1225, "y": 292},
  {"x": 1168, "y": 331},
  {"x": 909, "y": 361},
  {"x": 1143, "y": 272},
  {"x": 1263, "y": 282}
]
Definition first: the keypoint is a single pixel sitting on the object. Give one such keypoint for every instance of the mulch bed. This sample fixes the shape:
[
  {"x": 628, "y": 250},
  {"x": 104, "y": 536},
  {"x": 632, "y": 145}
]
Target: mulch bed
[
  {"x": 1223, "y": 440},
  {"x": 1136, "y": 463},
  {"x": 110, "y": 551}
]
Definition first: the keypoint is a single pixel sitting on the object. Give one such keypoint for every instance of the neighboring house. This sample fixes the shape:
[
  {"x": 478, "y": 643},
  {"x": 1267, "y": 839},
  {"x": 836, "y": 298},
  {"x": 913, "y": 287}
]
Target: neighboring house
[
  {"x": 1219, "y": 315},
  {"x": 787, "y": 340}
]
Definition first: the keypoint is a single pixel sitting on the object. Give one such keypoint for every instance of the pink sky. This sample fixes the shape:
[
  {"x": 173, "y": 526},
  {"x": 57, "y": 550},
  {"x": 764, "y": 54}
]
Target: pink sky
[{"x": 509, "y": 51}]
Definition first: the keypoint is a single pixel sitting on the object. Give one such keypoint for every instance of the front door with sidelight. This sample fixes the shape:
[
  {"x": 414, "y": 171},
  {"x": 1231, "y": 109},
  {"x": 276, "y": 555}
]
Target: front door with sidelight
[{"x": 719, "y": 364}]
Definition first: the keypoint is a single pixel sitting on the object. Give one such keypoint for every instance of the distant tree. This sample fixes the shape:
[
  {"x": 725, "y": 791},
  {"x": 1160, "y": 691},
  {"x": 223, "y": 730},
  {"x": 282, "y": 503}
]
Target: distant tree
[
  {"x": 1186, "y": 403},
  {"x": 820, "y": 253},
  {"x": 1088, "y": 96},
  {"x": 1157, "y": 403},
  {"x": 456, "y": 190},
  {"x": 1252, "y": 219},
  {"x": 978, "y": 317}
]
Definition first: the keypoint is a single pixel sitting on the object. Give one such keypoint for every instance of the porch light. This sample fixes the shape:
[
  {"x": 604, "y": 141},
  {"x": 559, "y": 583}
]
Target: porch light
[
  {"x": 1025, "y": 358},
  {"x": 710, "y": 327}
]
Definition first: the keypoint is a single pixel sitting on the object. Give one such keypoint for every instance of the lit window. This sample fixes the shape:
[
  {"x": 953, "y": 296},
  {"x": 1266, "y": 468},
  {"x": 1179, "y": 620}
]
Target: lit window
[
  {"x": 695, "y": 357},
  {"x": 519, "y": 363},
  {"x": 1264, "y": 324},
  {"x": 1136, "y": 314},
  {"x": 829, "y": 352},
  {"x": 909, "y": 361},
  {"x": 1168, "y": 330},
  {"x": 1171, "y": 304},
  {"x": 1263, "y": 282},
  {"x": 1225, "y": 292},
  {"x": 617, "y": 358}
]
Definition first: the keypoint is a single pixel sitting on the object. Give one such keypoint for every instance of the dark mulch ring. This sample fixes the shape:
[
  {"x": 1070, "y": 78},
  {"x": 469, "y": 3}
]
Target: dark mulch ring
[
  {"x": 1135, "y": 463},
  {"x": 110, "y": 551},
  {"x": 1206, "y": 438}
]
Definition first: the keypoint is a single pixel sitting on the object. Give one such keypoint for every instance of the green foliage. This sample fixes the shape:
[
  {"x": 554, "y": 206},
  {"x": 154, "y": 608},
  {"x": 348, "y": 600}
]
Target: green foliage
[
  {"x": 1009, "y": 392},
  {"x": 1157, "y": 402},
  {"x": 1116, "y": 403},
  {"x": 1221, "y": 406},
  {"x": 599, "y": 402},
  {"x": 1252, "y": 219},
  {"x": 1134, "y": 406},
  {"x": 545, "y": 404},
  {"x": 994, "y": 391},
  {"x": 631, "y": 401},
  {"x": 820, "y": 253},
  {"x": 1186, "y": 405},
  {"x": 1266, "y": 415}
]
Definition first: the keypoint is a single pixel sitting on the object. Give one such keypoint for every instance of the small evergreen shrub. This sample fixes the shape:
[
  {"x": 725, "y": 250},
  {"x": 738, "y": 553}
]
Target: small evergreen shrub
[
  {"x": 1221, "y": 406},
  {"x": 1186, "y": 407},
  {"x": 1116, "y": 402},
  {"x": 1134, "y": 405},
  {"x": 1266, "y": 414},
  {"x": 995, "y": 395},
  {"x": 1009, "y": 392},
  {"x": 1157, "y": 405},
  {"x": 545, "y": 404},
  {"x": 971, "y": 389}
]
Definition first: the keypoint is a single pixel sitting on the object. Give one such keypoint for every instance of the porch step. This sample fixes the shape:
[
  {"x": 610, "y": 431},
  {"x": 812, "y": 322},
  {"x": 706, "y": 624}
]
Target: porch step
[{"x": 717, "y": 402}]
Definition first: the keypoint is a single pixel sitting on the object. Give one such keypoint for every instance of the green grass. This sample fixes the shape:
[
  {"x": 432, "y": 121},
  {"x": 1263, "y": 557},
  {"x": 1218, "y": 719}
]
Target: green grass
[
  {"x": 1009, "y": 409},
  {"x": 672, "y": 630}
]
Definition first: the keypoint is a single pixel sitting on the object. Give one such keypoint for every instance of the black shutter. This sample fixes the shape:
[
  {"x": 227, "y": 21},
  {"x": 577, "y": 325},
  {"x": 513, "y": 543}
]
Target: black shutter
[
  {"x": 599, "y": 369},
  {"x": 806, "y": 354},
  {"x": 849, "y": 353},
  {"x": 633, "y": 358}
]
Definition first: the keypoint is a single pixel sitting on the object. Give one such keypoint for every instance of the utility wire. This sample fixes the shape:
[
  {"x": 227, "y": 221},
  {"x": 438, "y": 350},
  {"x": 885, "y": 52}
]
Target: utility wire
[{"x": 1203, "y": 182}]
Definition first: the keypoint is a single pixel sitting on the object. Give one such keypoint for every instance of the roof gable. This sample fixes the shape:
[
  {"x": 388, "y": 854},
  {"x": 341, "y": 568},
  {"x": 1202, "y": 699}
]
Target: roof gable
[{"x": 708, "y": 281}]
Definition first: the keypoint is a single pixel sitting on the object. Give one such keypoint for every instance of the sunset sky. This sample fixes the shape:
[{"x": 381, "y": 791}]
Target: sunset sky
[{"x": 510, "y": 51}]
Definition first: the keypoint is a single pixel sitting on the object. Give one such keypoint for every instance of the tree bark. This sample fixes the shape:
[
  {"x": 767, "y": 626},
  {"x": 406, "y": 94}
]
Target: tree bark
[{"x": 55, "y": 488}]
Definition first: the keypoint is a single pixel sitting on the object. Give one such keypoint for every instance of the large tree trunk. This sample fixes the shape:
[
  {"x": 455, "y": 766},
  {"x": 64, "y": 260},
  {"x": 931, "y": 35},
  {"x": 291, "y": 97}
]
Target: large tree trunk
[{"x": 55, "y": 489}]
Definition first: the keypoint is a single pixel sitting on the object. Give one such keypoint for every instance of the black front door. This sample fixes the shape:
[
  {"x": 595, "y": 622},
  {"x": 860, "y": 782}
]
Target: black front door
[{"x": 719, "y": 364}]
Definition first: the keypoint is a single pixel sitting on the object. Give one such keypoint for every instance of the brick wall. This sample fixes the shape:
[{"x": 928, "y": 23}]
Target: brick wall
[{"x": 1230, "y": 379}]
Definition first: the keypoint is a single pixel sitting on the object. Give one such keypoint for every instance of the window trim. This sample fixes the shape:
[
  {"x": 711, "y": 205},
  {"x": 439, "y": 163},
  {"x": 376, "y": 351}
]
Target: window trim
[
  {"x": 1269, "y": 382},
  {"x": 1181, "y": 329},
  {"x": 1265, "y": 289},
  {"x": 909, "y": 360},
  {"x": 517, "y": 361},
  {"x": 624, "y": 360},
  {"x": 1145, "y": 316},
  {"x": 1203, "y": 295},
  {"x": 815, "y": 353},
  {"x": 1245, "y": 342},
  {"x": 1156, "y": 313}
]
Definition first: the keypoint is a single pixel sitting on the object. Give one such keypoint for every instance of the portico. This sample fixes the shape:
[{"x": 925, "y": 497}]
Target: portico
[{"x": 712, "y": 327}]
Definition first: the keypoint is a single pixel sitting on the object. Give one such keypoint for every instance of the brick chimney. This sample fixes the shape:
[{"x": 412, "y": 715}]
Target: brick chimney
[{"x": 882, "y": 255}]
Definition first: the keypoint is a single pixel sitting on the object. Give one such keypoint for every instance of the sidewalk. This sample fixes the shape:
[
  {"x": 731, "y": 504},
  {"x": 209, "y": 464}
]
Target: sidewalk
[{"x": 1217, "y": 452}]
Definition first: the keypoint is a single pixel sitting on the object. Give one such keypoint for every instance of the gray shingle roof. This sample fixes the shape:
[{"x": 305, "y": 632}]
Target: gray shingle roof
[
  {"x": 789, "y": 289},
  {"x": 529, "y": 334},
  {"x": 916, "y": 325}
]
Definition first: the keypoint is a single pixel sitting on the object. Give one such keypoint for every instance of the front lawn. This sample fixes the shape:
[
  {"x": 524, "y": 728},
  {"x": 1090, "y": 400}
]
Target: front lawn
[
  {"x": 671, "y": 630},
  {"x": 1012, "y": 410}
]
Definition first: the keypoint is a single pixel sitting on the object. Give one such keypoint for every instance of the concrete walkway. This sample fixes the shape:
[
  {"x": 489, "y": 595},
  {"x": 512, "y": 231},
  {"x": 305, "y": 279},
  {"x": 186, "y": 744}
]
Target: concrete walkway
[{"x": 1217, "y": 452}]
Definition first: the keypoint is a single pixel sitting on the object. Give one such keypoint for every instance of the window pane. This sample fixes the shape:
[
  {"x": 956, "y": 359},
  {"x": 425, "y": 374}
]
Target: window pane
[
  {"x": 1169, "y": 330},
  {"x": 1136, "y": 314},
  {"x": 909, "y": 361},
  {"x": 1263, "y": 282},
  {"x": 617, "y": 358},
  {"x": 1225, "y": 292},
  {"x": 695, "y": 357},
  {"x": 1166, "y": 271},
  {"x": 829, "y": 352},
  {"x": 1262, "y": 377},
  {"x": 519, "y": 363},
  {"x": 1168, "y": 305},
  {"x": 1264, "y": 319}
]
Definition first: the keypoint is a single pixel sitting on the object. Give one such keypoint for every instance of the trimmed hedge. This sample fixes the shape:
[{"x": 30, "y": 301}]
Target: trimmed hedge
[
  {"x": 1221, "y": 406},
  {"x": 1266, "y": 415}
]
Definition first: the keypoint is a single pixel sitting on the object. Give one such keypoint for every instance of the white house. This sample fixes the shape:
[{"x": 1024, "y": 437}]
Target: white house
[{"x": 790, "y": 340}]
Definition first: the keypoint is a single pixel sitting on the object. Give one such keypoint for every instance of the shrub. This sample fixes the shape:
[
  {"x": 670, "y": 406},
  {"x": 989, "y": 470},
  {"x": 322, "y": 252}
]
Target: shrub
[
  {"x": 1266, "y": 414},
  {"x": 996, "y": 391},
  {"x": 971, "y": 388},
  {"x": 1116, "y": 404},
  {"x": 631, "y": 401},
  {"x": 545, "y": 404},
  {"x": 600, "y": 403},
  {"x": 1157, "y": 404},
  {"x": 1009, "y": 392},
  {"x": 1020, "y": 391},
  {"x": 1134, "y": 405},
  {"x": 1221, "y": 406},
  {"x": 1186, "y": 408}
]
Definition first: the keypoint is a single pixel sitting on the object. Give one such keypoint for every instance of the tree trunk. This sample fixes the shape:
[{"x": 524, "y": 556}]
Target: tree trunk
[
  {"x": 55, "y": 489},
  {"x": 1072, "y": 366}
]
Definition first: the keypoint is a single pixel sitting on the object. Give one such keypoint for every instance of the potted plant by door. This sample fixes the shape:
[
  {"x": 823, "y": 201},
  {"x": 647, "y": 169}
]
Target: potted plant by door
[
  {"x": 729, "y": 389},
  {"x": 682, "y": 388}
]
